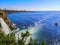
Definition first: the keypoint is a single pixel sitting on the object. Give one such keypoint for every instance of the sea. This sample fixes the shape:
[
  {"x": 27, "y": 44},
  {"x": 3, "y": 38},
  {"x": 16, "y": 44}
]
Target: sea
[{"x": 43, "y": 25}]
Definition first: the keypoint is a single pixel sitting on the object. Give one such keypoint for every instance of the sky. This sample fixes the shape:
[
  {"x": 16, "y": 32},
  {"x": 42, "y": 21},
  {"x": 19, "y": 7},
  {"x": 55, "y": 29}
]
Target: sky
[{"x": 34, "y": 5}]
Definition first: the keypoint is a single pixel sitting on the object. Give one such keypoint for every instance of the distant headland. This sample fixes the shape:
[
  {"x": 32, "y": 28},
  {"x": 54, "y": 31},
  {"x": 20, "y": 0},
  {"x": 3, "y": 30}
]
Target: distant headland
[{"x": 13, "y": 11}]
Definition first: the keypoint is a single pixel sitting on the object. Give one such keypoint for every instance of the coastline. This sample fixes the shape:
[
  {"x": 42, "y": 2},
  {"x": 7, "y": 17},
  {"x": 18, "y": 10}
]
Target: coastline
[{"x": 14, "y": 11}]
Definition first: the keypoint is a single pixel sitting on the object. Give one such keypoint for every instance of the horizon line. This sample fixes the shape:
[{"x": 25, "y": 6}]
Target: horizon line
[{"x": 29, "y": 10}]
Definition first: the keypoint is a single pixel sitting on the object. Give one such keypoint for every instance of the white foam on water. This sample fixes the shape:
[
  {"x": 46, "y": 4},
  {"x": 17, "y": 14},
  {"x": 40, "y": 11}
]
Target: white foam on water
[{"x": 32, "y": 30}]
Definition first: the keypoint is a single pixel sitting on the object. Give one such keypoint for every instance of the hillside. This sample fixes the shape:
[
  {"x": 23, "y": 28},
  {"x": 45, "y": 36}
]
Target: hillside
[{"x": 6, "y": 19}]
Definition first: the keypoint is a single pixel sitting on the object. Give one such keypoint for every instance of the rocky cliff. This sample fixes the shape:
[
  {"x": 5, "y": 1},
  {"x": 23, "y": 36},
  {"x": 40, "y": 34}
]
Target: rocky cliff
[{"x": 5, "y": 18}]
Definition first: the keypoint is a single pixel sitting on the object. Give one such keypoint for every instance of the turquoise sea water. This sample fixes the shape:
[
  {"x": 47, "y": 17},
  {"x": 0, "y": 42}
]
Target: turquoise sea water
[{"x": 41, "y": 24}]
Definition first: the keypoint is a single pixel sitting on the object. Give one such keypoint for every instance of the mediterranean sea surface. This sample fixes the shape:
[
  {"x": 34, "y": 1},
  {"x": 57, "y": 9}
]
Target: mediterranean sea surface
[{"x": 41, "y": 24}]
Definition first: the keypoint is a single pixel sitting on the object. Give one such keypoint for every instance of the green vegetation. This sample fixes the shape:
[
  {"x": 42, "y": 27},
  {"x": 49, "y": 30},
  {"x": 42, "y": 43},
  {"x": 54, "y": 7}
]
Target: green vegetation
[
  {"x": 0, "y": 25},
  {"x": 10, "y": 39}
]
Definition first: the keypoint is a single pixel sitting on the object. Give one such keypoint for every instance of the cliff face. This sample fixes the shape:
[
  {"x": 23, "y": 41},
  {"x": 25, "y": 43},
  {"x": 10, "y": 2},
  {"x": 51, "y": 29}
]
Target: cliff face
[{"x": 5, "y": 18}]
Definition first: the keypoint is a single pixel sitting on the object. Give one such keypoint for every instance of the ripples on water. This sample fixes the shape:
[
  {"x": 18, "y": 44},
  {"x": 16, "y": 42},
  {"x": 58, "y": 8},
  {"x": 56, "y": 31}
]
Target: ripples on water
[{"x": 40, "y": 24}]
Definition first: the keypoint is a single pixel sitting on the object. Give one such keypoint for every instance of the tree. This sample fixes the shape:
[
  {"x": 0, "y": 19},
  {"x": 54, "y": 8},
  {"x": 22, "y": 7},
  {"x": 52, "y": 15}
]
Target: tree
[
  {"x": 9, "y": 39},
  {"x": 23, "y": 39},
  {"x": 43, "y": 43}
]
